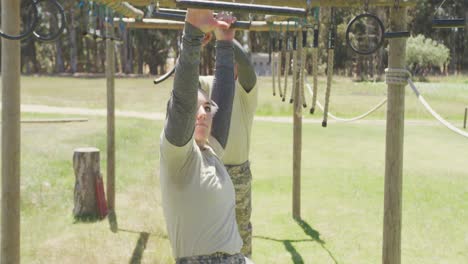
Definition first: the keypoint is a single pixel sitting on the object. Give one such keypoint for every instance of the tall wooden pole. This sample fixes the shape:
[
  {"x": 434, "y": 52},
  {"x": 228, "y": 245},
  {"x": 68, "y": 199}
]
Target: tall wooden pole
[
  {"x": 11, "y": 134},
  {"x": 297, "y": 131},
  {"x": 110, "y": 72},
  {"x": 394, "y": 146}
]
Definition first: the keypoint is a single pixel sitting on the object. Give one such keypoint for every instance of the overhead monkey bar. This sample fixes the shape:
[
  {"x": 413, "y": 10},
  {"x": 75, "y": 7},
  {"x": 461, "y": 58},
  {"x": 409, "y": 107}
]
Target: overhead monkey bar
[
  {"x": 239, "y": 7},
  {"x": 152, "y": 23},
  {"x": 293, "y": 3},
  {"x": 180, "y": 16}
]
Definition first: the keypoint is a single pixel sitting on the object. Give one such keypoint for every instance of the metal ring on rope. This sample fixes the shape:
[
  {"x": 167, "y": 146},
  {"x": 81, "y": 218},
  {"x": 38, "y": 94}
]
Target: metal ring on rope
[
  {"x": 28, "y": 31},
  {"x": 56, "y": 35}
]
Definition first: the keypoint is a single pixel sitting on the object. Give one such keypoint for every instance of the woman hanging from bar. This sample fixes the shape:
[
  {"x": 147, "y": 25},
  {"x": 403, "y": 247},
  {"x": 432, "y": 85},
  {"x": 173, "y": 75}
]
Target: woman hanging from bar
[
  {"x": 236, "y": 153},
  {"x": 198, "y": 195}
]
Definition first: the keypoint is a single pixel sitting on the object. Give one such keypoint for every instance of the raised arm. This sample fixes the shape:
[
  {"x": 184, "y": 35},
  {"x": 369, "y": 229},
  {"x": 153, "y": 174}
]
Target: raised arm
[
  {"x": 223, "y": 84},
  {"x": 182, "y": 106},
  {"x": 245, "y": 69}
]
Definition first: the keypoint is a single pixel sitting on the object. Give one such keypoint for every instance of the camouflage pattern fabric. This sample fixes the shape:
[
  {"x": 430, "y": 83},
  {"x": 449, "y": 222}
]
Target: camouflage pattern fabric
[
  {"x": 216, "y": 258},
  {"x": 242, "y": 179}
]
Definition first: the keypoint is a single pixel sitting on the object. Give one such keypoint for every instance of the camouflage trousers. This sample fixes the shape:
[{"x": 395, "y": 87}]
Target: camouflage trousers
[
  {"x": 242, "y": 179},
  {"x": 216, "y": 258}
]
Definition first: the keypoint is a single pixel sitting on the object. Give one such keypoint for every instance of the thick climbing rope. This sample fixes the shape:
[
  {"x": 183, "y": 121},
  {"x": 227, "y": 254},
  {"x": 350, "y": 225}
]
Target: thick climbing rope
[
  {"x": 287, "y": 62},
  {"x": 294, "y": 69},
  {"x": 283, "y": 44},
  {"x": 402, "y": 77},
  {"x": 278, "y": 64},
  {"x": 302, "y": 68},
  {"x": 339, "y": 119},
  {"x": 330, "y": 62},
  {"x": 315, "y": 66},
  {"x": 272, "y": 60}
]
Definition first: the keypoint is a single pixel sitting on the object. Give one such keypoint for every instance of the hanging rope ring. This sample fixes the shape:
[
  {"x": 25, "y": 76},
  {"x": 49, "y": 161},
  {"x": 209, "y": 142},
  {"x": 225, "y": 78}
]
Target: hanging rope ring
[
  {"x": 372, "y": 42},
  {"x": 59, "y": 15},
  {"x": 29, "y": 28}
]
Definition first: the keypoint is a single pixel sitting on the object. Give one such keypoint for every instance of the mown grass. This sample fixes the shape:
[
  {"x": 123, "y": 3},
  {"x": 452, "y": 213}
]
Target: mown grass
[
  {"x": 342, "y": 195},
  {"x": 447, "y": 95},
  {"x": 342, "y": 179}
]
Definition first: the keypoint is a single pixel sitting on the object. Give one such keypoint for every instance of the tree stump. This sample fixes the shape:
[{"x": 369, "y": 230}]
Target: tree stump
[{"x": 87, "y": 169}]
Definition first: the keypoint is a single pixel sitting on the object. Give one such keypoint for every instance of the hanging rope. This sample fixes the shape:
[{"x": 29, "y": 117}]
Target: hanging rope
[
  {"x": 272, "y": 58},
  {"x": 283, "y": 44},
  {"x": 339, "y": 119},
  {"x": 331, "y": 57},
  {"x": 294, "y": 69},
  {"x": 402, "y": 77},
  {"x": 315, "y": 65},
  {"x": 303, "y": 69},
  {"x": 287, "y": 61},
  {"x": 278, "y": 62}
]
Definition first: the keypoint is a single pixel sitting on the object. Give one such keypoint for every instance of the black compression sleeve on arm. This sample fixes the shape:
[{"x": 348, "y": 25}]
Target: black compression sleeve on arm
[
  {"x": 182, "y": 106},
  {"x": 223, "y": 90},
  {"x": 245, "y": 69}
]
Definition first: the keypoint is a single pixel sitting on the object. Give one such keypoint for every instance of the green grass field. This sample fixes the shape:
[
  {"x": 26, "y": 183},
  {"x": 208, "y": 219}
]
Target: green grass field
[
  {"x": 342, "y": 179},
  {"x": 449, "y": 96}
]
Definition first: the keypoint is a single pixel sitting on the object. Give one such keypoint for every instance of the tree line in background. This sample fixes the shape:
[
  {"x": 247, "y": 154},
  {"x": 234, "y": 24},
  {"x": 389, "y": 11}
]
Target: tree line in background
[{"x": 139, "y": 51}]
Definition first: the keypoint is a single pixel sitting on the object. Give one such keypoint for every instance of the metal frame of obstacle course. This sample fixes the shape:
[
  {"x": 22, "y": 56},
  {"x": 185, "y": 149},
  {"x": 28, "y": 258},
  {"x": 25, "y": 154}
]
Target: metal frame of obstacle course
[{"x": 10, "y": 242}]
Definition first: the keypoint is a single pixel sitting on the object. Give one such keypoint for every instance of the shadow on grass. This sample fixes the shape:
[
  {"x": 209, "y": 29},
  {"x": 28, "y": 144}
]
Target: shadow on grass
[
  {"x": 288, "y": 243},
  {"x": 139, "y": 248}
]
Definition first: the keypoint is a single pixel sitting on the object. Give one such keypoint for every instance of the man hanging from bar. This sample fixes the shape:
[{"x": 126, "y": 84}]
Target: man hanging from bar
[
  {"x": 198, "y": 195},
  {"x": 236, "y": 153}
]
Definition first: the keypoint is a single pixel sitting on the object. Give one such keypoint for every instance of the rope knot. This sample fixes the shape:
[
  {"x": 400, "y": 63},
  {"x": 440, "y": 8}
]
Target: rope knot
[{"x": 397, "y": 76}]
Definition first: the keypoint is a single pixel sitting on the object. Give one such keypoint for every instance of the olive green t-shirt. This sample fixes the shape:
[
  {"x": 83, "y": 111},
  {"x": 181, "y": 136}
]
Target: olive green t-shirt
[
  {"x": 243, "y": 110},
  {"x": 198, "y": 199}
]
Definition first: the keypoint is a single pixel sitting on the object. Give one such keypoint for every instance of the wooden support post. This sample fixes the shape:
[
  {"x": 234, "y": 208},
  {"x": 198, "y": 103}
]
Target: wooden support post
[
  {"x": 110, "y": 72},
  {"x": 464, "y": 120},
  {"x": 86, "y": 164},
  {"x": 297, "y": 131},
  {"x": 394, "y": 146},
  {"x": 11, "y": 134}
]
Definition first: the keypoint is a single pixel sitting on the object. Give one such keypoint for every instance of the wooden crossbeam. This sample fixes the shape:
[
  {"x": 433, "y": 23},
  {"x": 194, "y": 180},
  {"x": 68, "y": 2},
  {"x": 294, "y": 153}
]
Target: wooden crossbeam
[{"x": 295, "y": 3}]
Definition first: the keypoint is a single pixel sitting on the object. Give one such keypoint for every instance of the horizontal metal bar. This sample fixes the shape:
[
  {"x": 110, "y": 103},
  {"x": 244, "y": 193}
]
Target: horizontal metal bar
[
  {"x": 243, "y": 8},
  {"x": 174, "y": 11},
  {"x": 152, "y": 23},
  {"x": 448, "y": 23},
  {"x": 176, "y": 17},
  {"x": 402, "y": 34},
  {"x": 297, "y": 3}
]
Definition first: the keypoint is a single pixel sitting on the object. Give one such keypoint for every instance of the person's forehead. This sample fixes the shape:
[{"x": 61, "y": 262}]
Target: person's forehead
[{"x": 202, "y": 100}]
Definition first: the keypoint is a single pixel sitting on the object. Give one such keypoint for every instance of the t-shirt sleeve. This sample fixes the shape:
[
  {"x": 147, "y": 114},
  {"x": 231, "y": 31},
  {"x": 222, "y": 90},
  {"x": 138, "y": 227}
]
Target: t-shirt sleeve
[
  {"x": 173, "y": 158},
  {"x": 216, "y": 146},
  {"x": 249, "y": 100}
]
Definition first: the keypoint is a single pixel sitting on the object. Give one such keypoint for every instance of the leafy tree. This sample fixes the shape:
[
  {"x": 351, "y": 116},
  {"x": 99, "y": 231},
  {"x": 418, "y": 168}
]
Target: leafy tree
[{"x": 423, "y": 54}]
